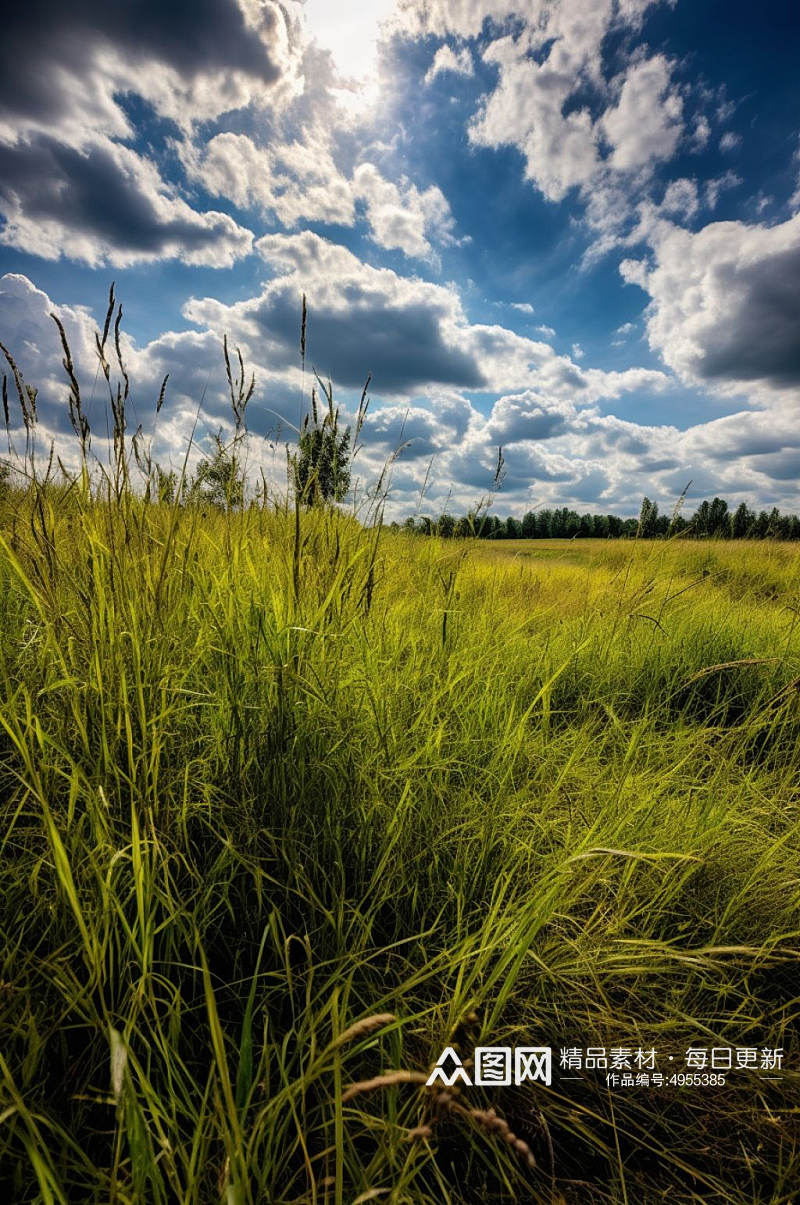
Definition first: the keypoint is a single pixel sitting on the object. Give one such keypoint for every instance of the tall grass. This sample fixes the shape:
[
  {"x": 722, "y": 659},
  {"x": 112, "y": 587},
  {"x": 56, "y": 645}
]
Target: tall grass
[{"x": 291, "y": 803}]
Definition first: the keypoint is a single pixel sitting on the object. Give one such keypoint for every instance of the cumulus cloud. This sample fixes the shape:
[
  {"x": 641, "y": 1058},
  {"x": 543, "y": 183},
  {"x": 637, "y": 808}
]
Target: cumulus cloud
[
  {"x": 542, "y": 71},
  {"x": 190, "y": 61},
  {"x": 701, "y": 133},
  {"x": 526, "y": 110},
  {"x": 105, "y": 203},
  {"x": 725, "y": 302},
  {"x": 361, "y": 319},
  {"x": 29, "y": 332},
  {"x": 299, "y": 180},
  {"x": 528, "y": 415},
  {"x": 68, "y": 186},
  {"x": 644, "y": 126},
  {"x": 409, "y": 333},
  {"x": 403, "y": 216},
  {"x": 292, "y": 180},
  {"x": 560, "y": 448}
]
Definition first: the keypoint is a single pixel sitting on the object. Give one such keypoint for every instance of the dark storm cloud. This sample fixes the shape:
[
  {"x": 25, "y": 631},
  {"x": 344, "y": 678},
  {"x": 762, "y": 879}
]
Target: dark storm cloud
[
  {"x": 193, "y": 37},
  {"x": 106, "y": 193},
  {"x": 401, "y": 344},
  {"x": 760, "y": 339}
]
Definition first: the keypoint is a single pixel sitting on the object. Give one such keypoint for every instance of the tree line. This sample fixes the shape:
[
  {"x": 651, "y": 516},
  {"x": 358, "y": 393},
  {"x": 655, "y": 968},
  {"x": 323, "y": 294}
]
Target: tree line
[{"x": 714, "y": 519}]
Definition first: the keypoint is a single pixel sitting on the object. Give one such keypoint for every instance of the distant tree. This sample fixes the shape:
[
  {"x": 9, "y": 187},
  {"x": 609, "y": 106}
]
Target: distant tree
[
  {"x": 701, "y": 518},
  {"x": 488, "y": 527},
  {"x": 529, "y": 525},
  {"x": 761, "y": 525},
  {"x": 713, "y": 518},
  {"x": 741, "y": 521},
  {"x": 718, "y": 519},
  {"x": 544, "y": 524}
]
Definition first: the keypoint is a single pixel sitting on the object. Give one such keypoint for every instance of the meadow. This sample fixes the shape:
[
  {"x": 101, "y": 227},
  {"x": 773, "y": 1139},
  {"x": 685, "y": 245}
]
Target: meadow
[{"x": 292, "y": 803}]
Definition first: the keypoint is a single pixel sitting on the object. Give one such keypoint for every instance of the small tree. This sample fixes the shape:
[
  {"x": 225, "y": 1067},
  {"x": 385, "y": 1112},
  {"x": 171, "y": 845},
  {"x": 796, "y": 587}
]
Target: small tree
[
  {"x": 322, "y": 462},
  {"x": 648, "y": 517},
  {"x": 166, "y": 484},
  {"x": 218, "y": 480}
]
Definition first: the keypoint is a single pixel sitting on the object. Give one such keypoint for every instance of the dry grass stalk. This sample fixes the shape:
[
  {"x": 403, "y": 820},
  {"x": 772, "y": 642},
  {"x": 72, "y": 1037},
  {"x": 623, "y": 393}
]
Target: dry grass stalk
[
  {"x": 384, "y": 1081},
  {"x": 365, "y": 1026}
]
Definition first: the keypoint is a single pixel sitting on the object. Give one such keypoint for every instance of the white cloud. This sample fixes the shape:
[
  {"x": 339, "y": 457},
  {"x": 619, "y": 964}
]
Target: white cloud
[
  {"x": 300, "y": 181},
  {"x": 526, "y": 110},
  {"x": 716, "y": 186},
  {"x": 446, "y": 59},
  {"x": 681, "y": 198},
  {"x": 701, "y": 133},
  {"x": 293, "y": 180},
  {"x": 401, "y": 216},
  {"x": 645, "y": 125},
  {"x": 730, "y": 141},
  {"x": 725, "y": 302}
]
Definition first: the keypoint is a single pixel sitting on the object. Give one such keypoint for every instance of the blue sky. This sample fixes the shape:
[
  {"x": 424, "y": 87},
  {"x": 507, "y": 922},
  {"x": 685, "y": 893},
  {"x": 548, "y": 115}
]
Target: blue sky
[{"x": 569, "y": 229}]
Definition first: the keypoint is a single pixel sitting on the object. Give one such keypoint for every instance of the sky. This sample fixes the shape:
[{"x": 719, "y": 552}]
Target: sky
[{"x": 569, "y": 229}]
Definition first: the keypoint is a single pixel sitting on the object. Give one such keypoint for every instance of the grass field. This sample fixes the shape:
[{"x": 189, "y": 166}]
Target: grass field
[{"x": 285, "y": 810}]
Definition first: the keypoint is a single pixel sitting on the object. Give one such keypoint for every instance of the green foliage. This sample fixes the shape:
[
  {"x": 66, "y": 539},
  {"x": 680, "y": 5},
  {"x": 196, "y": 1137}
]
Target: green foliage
[
  {"x": 648, "y": 519},
  {"x": 218, "y": 479},
  {"x": 322, "y": 462},
  {"x": 166, "y": 485}
]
